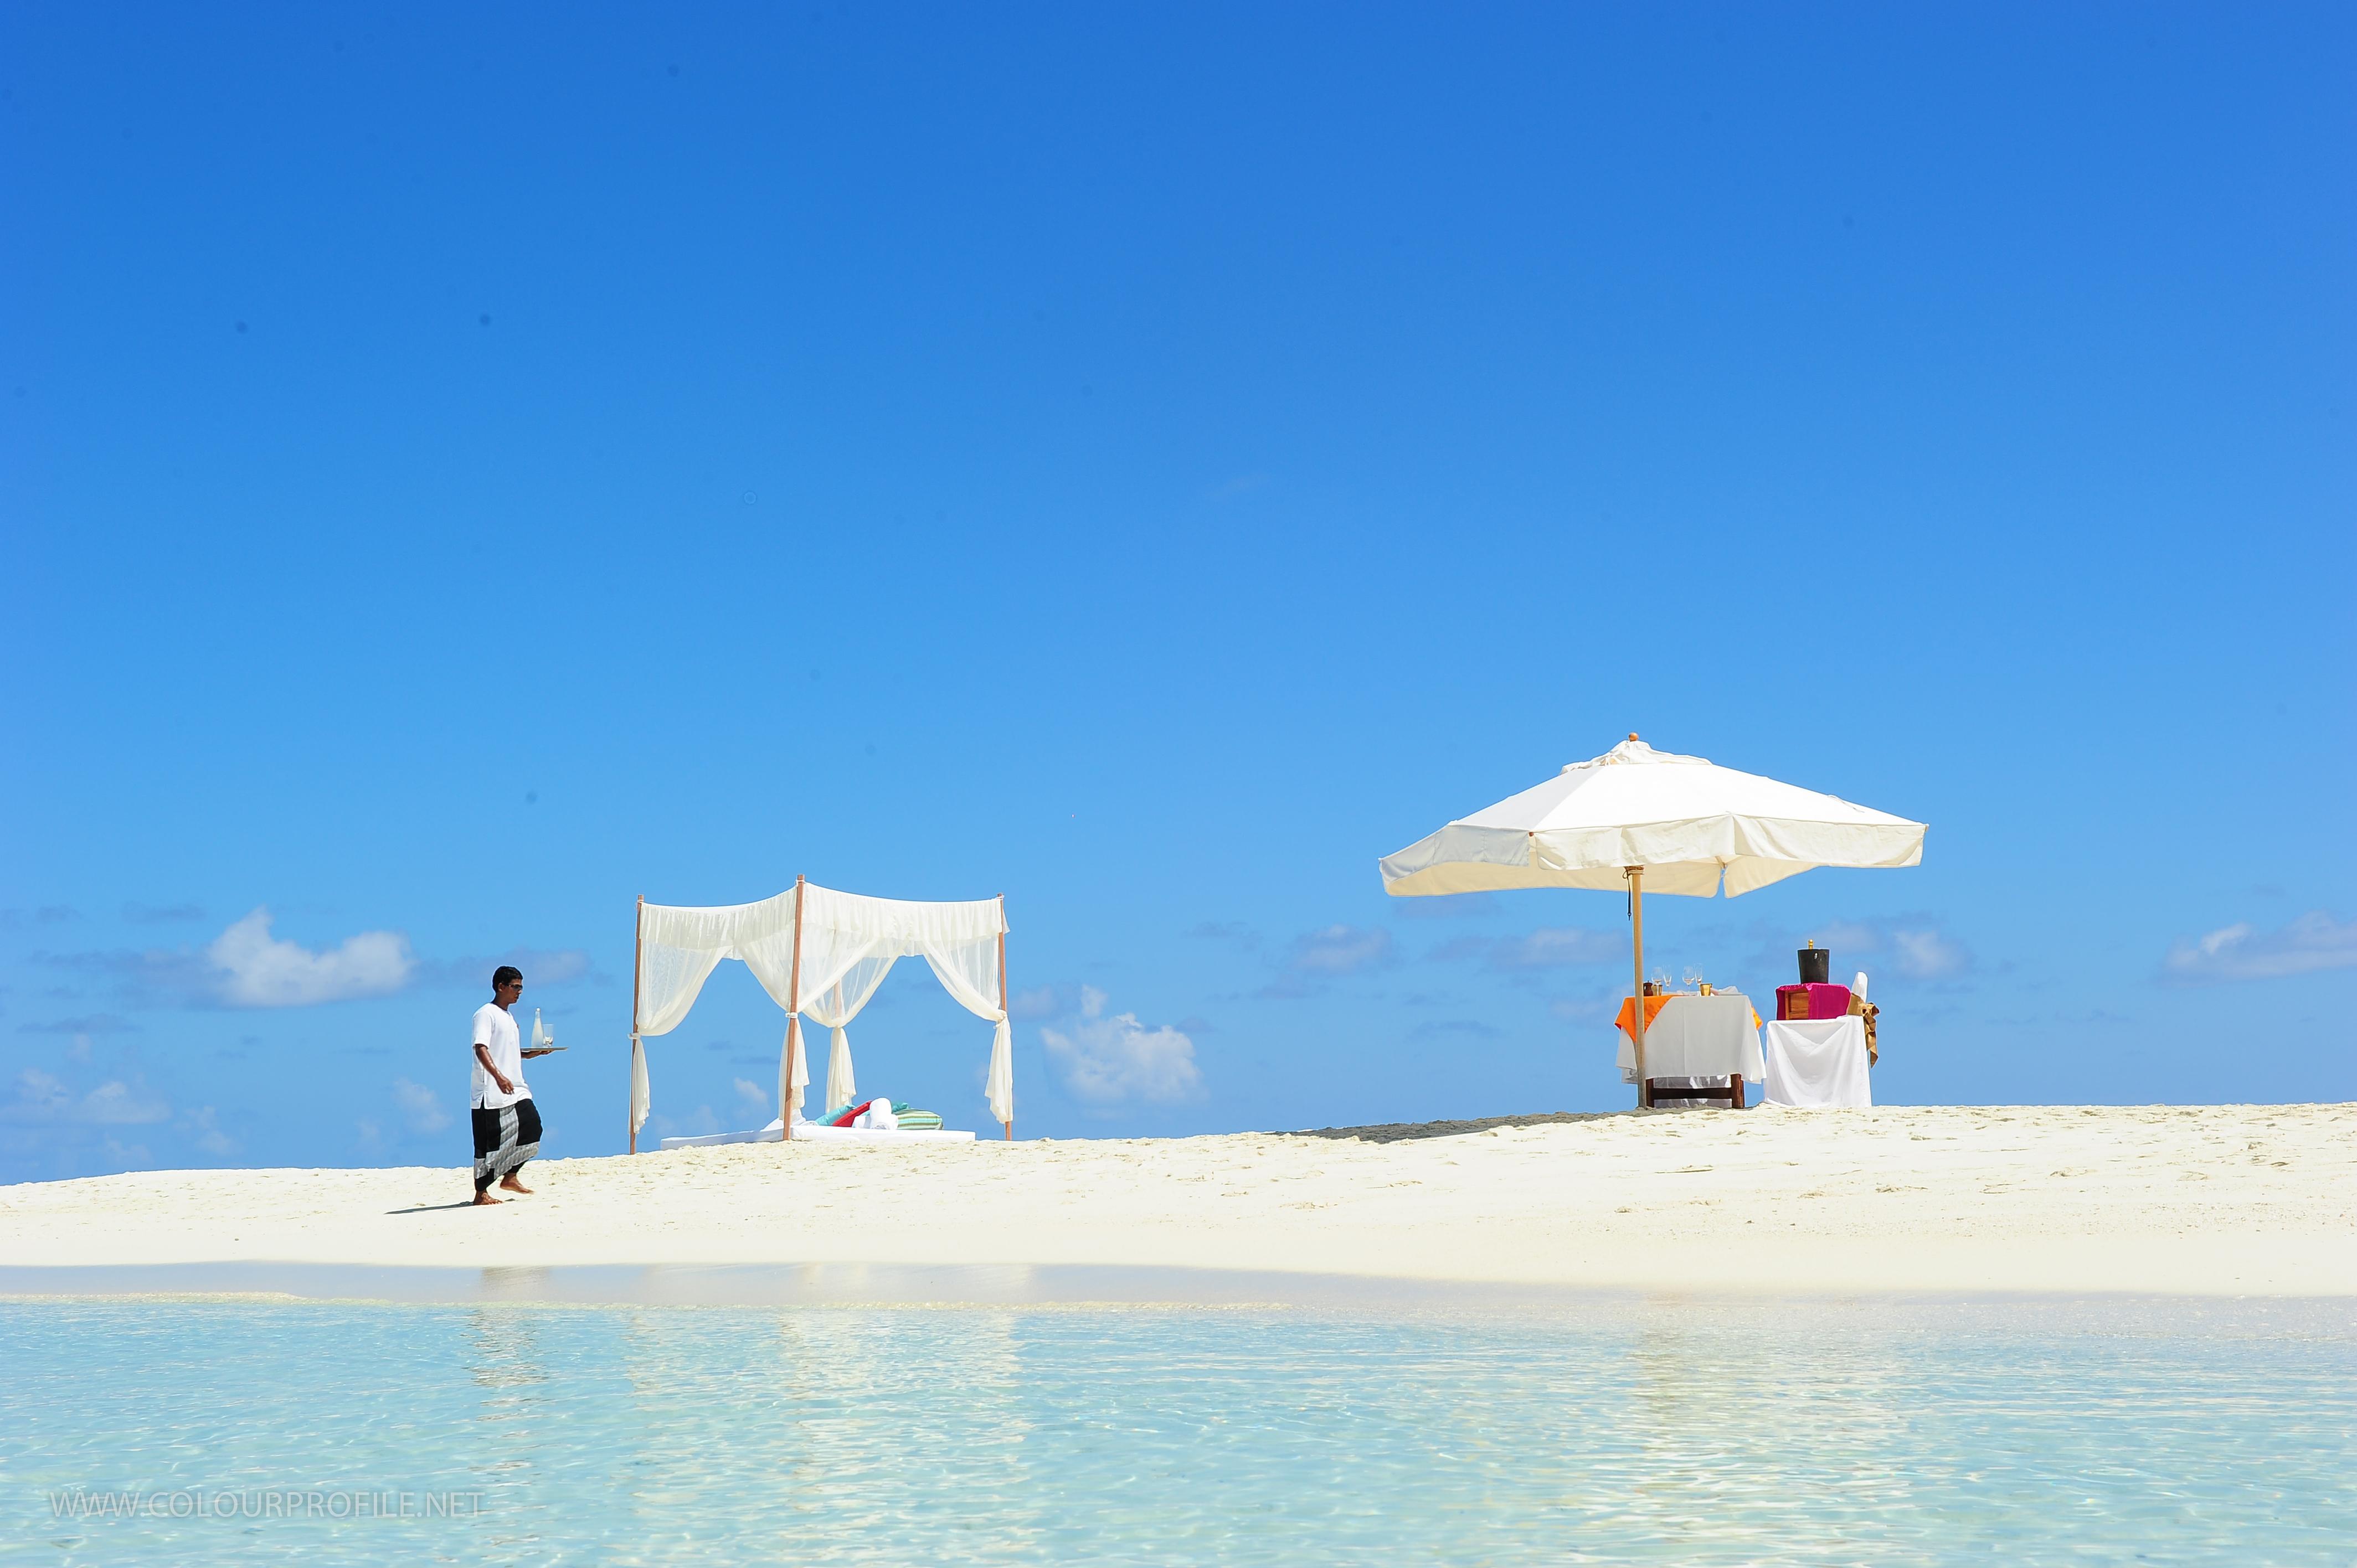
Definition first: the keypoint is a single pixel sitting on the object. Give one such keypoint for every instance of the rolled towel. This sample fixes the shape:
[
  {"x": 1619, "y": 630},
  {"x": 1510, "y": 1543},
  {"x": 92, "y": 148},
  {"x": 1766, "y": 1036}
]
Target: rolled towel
[{"x": 1857, "y": 986}]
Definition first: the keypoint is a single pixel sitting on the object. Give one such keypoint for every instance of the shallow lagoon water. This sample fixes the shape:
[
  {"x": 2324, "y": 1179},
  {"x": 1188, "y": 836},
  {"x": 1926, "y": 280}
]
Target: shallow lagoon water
[{"x": 1131, "y": 1417}]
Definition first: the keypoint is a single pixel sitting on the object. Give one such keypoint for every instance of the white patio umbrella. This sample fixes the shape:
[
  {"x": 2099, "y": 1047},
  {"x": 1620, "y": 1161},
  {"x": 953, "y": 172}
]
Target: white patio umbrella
[{"x": 1693, "y": 825}]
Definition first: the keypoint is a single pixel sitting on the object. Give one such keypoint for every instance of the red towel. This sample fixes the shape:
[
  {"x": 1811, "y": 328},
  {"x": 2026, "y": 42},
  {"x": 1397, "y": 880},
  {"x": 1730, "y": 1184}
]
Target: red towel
[{"x": 1812, "y": 1000}]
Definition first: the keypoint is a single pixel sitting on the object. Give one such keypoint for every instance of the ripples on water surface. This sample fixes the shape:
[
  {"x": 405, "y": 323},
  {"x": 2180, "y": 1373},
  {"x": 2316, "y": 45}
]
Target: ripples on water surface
[{"x": 1664, "y": 1431}]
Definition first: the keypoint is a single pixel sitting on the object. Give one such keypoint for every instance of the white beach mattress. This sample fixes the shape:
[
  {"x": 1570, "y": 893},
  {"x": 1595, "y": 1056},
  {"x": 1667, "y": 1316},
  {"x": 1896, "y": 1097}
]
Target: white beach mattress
[{"x": 815, "y": 1133}]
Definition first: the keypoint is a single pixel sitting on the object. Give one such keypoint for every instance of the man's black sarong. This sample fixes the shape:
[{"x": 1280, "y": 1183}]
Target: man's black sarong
[{"x": 504, "y": 1140}]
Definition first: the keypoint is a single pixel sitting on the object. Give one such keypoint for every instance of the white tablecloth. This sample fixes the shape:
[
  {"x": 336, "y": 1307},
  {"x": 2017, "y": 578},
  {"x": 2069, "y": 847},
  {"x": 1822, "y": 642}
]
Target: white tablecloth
[
  {"x": 1698, "y": 1036},
  {"x": 1820, "y": 1061}
]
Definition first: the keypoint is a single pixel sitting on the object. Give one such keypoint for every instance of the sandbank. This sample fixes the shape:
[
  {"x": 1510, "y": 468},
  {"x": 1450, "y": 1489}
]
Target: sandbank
[{"x": 2197, "y": 1200}]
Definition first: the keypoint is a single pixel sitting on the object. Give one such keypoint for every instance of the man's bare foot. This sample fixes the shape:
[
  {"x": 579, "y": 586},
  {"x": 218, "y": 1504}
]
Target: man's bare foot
[
  {"x": 512, "y": 1185},
  {"x": 483, "y": 1197}
]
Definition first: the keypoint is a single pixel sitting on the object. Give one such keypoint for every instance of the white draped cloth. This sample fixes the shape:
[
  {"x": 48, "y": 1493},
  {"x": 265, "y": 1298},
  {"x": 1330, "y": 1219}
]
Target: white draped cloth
[
  {"x": 1698, "y": 1038},
  {"x": 848, "y": 943},
  {"x": 1819, "y": 1062}
]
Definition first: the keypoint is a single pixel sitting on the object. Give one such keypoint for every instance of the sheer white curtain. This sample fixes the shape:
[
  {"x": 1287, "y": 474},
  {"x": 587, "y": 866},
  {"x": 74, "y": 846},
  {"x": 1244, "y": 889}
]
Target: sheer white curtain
[
  {"x": 835, "y": 1008},
  {"x": 842, "y": 1084},
  {"x": 847, "y": 944},
  {"x": 641, "y": 1101},
  {"x": 669, "y": 977},
  {"x": 795, "y": 1062},
  {"x": 845, "y": 955},
  {"x": 969, "y": 971},
  {"x": 959, "y": 941},
  {"x": 679, "y": 948}
]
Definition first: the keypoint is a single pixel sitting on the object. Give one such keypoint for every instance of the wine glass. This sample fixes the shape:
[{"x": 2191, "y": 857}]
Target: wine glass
[{"x": 1694, "y": 978}]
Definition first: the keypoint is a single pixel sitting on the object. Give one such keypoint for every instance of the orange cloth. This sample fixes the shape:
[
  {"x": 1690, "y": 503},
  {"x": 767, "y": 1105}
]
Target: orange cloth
[{"x": 1627, "y": 1021}]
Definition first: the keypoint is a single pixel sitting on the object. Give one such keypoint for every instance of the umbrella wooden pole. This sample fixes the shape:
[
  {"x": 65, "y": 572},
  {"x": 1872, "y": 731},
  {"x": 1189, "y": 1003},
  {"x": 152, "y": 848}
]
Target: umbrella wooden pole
[
  {"x": 793, "y": 1024},
  {"x": 1637, "y": 993},
  {"x": 637, "y": 970},
  {"x": 1005, "y": 1006}
]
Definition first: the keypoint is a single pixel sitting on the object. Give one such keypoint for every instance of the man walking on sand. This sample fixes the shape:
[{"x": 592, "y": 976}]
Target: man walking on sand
[{"x": 507, "y": 1123}]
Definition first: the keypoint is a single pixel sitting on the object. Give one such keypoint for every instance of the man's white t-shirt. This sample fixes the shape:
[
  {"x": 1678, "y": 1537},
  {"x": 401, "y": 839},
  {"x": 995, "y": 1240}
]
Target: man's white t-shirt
[{"x": 495, "y": 1029}]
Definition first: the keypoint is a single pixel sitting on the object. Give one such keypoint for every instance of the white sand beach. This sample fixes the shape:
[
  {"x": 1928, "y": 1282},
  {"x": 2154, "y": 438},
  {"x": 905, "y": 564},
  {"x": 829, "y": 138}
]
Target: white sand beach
[{"x": 2221, "y": 1200}]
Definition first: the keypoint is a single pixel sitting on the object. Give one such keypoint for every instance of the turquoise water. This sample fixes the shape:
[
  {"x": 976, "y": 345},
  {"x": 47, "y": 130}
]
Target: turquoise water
[{"x": 1589, "y": 1430}]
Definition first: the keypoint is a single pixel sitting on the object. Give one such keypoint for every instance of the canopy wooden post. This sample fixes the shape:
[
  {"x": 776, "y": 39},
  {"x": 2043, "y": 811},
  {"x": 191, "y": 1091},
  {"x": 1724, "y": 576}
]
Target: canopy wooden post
[
  {"x": 1005, "y": 1003},
  {"x": 1637, "y": 994},
  {"x": 637, "y": 970},
  {"x": 793, "y": 1024}
]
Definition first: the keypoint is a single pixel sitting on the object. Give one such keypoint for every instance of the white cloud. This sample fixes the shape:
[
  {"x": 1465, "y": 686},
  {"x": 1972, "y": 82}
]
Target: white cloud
[
  {"x": 40, "y": 1097},
  {"x": 697, "y": 1123},
  {"x": 1917, "y": 947},
  {"x": 258, "y": 970},
  {"x": 1443, "y": 1028},
  {"x": 50, "y": 915},
  {"x": 1929, "y": 953},
  {"x": 1108, "y": 1061},
  {"x": 1550, "y": 947},
  {"x": 755, "y": 1098},
  {"x": 152, "y": 915},
  {"x": 541, "y": 966},
  {"x": 1850, "y": 936},
  {"x": 420, "y": 1106},
  {"x": 115, "y": 1103},
  {"x": 1451, "y": 907},
  {"x": 155, "y": 977},
  {"x": 208, "y": 1134},
  {"x": 82, "y": 1029},
  {"x": 1040, "y": 1002},
  {"x": 1317, "y": 956},
  {"x": 1556, "y": 947},
  {"x": 1596, "y": 1009},
  {"x": 2309, "y": 945},
  {"x": 1340, "y": 949}
]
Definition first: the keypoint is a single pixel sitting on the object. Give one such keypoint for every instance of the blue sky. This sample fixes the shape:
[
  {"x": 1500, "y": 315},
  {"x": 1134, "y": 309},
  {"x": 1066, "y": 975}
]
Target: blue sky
[{"x": 465, "y": 469}]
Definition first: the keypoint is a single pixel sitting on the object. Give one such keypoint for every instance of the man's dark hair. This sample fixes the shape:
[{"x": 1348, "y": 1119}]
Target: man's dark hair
[{"x": 504, "y": 973}]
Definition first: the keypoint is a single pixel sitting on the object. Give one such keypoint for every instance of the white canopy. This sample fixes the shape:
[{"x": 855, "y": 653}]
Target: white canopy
[
  {"x": 1688, "y": 821},
  {"x": 819, "y": 952}
]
